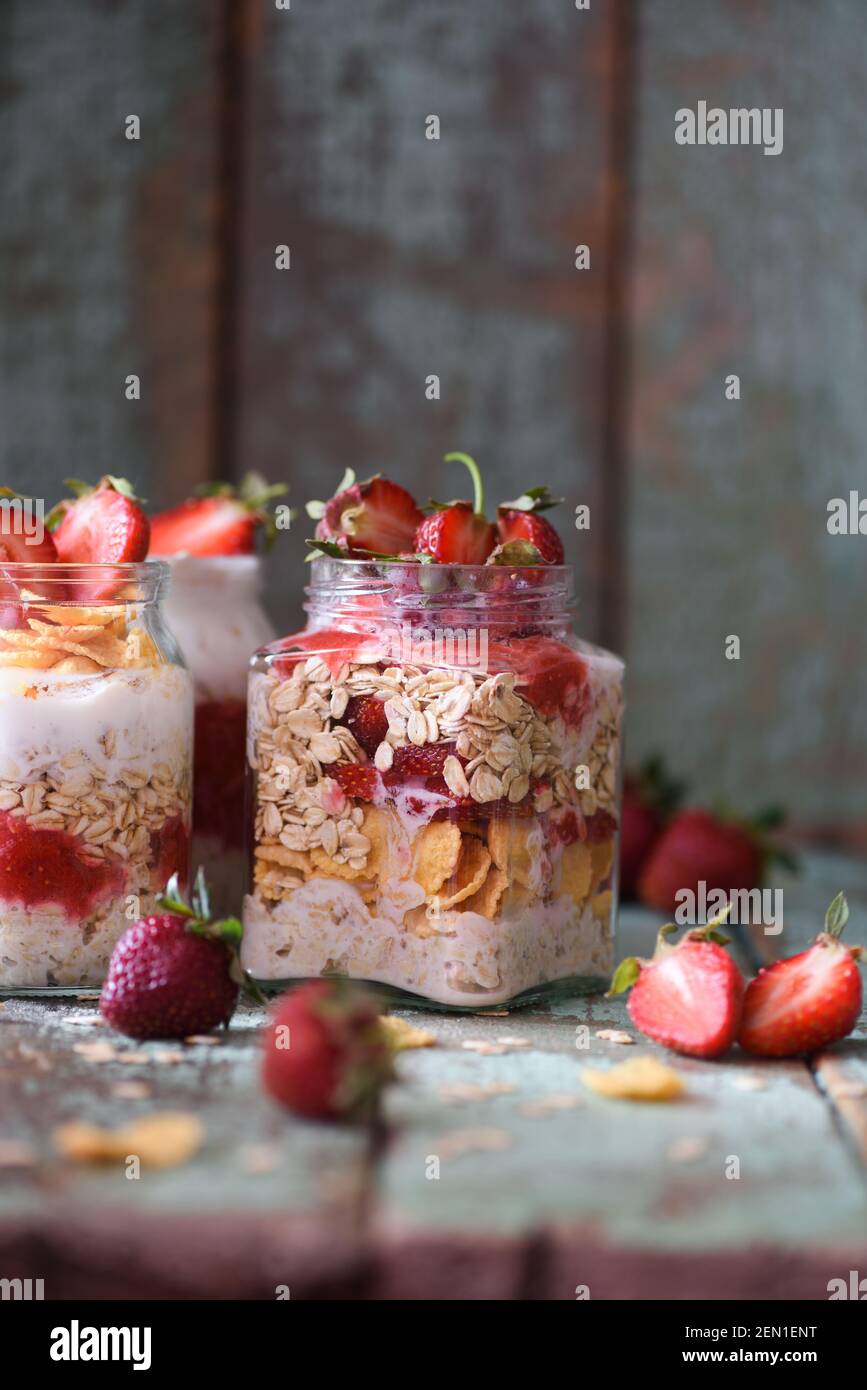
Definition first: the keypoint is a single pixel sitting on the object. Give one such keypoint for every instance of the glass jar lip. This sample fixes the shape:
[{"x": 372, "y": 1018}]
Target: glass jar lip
[{"x": 82, "y": 585}]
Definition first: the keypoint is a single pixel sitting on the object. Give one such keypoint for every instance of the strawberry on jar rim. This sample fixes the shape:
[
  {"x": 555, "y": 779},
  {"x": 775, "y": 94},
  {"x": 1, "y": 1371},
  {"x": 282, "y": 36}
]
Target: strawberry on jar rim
[
  {"x": 101, "y": 525},
  {"x": 375, "y": 517},
  {"x": 458, "y": 533},
  {"x": 219, "y": 520},
  {"x": 806, "y": 1002},
  {"x": 521, "y": 521}
]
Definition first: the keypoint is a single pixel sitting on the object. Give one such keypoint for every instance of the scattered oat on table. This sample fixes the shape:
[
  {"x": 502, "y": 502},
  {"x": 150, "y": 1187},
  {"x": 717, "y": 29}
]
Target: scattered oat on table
[
  {"x": 643, "y": 1078},
  {"x": 399, "y": 1034},
  {"x": 101, "y": 1051},
  {"x": 513, "y": 1042},
  {"x": 750, "y": 1081},
  {"x": 15, "y": 1153},
  {"x": 203, "y": 1040},
  {"x": 259, "y": 1158},
  {"x": 487, "y": 1049},
  {"x": 131, "y": 1090},
  {"x": 687, "y": 1149},
  {"x": 614, "y": 1035},
  {"x": 135, "y": 1059},
  {"x": 458, "y": 1092},
  {"x": 168, "y": 1057},
  {"x": 84, "y": 1021},
  {"x": 464, "y": 1141},
  {"x": 549, "y": 1105}
]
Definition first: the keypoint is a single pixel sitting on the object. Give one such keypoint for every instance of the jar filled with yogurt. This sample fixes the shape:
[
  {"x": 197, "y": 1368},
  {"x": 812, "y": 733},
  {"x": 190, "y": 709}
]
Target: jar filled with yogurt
[
  {"x": 96, "y": 728},
  {"x": 215, "y": 610},
  {"x": 434, "y": 770}
]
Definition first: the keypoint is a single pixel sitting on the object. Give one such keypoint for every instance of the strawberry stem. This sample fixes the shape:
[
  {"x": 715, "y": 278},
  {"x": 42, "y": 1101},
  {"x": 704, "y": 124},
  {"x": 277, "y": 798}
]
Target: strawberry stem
[
  {"x": 475, "y": 474},
  {"x": 837, "y": 915}
]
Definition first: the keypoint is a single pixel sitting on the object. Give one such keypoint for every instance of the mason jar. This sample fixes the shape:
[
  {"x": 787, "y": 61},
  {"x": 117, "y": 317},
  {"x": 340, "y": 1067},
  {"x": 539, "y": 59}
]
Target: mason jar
[
  {"x": 216, "y": 612},
  {"x": 435, "y": 786},
  {"x": 96, "y": 730}
]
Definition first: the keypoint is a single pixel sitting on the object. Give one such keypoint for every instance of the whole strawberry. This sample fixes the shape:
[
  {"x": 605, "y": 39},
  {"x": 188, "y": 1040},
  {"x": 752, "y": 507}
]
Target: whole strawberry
[
  {"x": 698, "y": 846},
  {"x": 103, "y": 525},
  {"x": 458, "y": 533},
  {"x": 175, "y": 973},
  {"x": 801, "y": 1004},
  {"x": 649, "y": 798},
  {"x": 689, "y": 996},
  {"x": 219, "y": 520},
  {"x": 520, "y": 521},
  {"x": 326, "y": 1055},
  {"x": 375, "y": 517}
]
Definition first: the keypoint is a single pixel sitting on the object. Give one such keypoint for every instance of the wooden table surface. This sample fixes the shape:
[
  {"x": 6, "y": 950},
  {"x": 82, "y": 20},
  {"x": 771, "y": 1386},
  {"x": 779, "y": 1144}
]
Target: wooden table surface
[{"x": 535, "y": 1197}]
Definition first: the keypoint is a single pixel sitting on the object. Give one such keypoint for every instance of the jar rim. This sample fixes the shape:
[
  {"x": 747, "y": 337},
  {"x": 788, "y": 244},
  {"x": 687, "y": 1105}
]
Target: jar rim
[{"x": 84, "y": 584}]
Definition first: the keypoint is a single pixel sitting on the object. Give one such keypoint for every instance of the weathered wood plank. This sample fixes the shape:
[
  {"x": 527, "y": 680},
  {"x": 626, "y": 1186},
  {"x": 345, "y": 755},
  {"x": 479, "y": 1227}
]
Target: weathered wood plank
[
  {"x": 745, "y": 264},
  {"x": 415, "y": 257},
  {"x": 109, "y": 245},
  {"x": 210, "y": 1228}
]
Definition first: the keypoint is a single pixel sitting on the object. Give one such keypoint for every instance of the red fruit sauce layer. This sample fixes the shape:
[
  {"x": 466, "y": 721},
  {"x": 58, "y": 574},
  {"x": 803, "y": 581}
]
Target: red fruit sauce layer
[
  {"x": 38, "y": 867},
  {"x": 170, "y": 853},
  {"x": 219, "y": 769}
]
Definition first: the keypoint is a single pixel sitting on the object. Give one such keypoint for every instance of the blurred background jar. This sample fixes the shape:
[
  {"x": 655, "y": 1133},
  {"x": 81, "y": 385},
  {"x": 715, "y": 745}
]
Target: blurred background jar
[{"x": 215, "y": 609}]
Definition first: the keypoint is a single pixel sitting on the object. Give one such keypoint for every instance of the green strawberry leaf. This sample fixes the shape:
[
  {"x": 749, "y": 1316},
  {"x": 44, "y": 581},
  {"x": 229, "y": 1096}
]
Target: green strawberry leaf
[
  {"x": 837, "y": 915},
  {"x": 535, "y": 499},
  {"x": 624, "y": 976}
]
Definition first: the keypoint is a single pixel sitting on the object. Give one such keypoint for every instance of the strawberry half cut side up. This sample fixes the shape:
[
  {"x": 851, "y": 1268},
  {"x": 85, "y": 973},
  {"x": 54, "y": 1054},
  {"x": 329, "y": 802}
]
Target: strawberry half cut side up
[
  {"x": 219, "y": 520},
  {"x": 690, "y": 995},
  {"x": 373, "y": 518},
  {"x": 101, "y": 525},
  {"x": 458, "y": 533},
  {"x": 175, "y": 973},
  {"x": 799, "y": 1005},
  {"x": 520, "y": 521}
]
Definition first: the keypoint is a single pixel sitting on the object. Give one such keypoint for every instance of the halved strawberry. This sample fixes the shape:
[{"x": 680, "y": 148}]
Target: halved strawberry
[
  {"x": 689, "y": 996},
  {"x": 458, "y": 533},
  {"x": 360, "y": 780},
  {"x": 376, "y": 516},
  {"x": 219, "y": 521},
  {"x": 16, "y": 546},
  {"x": 102, "y": 525},
  {"x": 799, "y": 1005},
  {"x": 520, "y": 521},
  {"x": 551, "y": 674},
  {"x": 365, "y": 718}
]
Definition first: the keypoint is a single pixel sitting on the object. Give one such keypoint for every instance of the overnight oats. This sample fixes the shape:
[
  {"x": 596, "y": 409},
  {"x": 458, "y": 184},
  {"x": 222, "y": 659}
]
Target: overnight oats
[
  {"x": 95, "y": 765},
  {"x": 215, "y": 610},
  {"x": 435, "y": 770}
]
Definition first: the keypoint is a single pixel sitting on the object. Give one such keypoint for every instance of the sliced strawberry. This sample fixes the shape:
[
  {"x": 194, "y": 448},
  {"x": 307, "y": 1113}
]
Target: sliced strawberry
[
  {"x": 376, "y": 515},
  {"x": 689, "y": 997},
  {"x": 411, "y": 761},
  {"x": 335, "y": 646},
  {"x": 365, "y": 718},
  {"x": 358, "y": 779},
  {"x": 102, "y": 525},
  {"x": 459, "y": 533},
  {"x": 551, "y": 675},
  {"x": 797, "y": 1006},
  {"x": 222, "y": 520}
]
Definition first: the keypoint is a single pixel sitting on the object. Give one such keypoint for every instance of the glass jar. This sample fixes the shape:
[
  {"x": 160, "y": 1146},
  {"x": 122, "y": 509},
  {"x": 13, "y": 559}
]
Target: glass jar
[
  {"x": 215, "y": 610},
  {"x": 435, "y": 765},
  {"x": 96, "y": 727}
]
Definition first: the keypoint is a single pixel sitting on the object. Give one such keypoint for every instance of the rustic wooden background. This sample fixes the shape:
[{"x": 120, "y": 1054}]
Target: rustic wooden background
[{"x": 410, "y": 257}]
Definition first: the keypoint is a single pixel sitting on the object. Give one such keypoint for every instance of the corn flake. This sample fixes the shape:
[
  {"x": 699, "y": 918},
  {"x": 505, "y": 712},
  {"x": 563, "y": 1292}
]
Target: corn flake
[{"x": 643, "y": 1078}]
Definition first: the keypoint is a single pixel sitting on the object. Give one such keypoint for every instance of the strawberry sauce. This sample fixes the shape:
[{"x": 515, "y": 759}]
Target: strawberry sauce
[{"x": 38, "y": 867}]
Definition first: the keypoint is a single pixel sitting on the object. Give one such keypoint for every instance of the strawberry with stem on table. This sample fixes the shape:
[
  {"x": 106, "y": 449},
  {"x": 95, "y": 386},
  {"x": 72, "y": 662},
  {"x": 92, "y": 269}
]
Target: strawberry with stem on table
[
  {"x": 689, "y": 997},
  {"x": 799, "y": 1005},
  {"x": 650, "y": 797},
  {"x": 697, "y": 845},
  {"x": 175, "y": 973},
  {"x": 101, "y": 525},
  {"x": 326, "y": 1054},
  {"x": 219, "y": 520}
]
